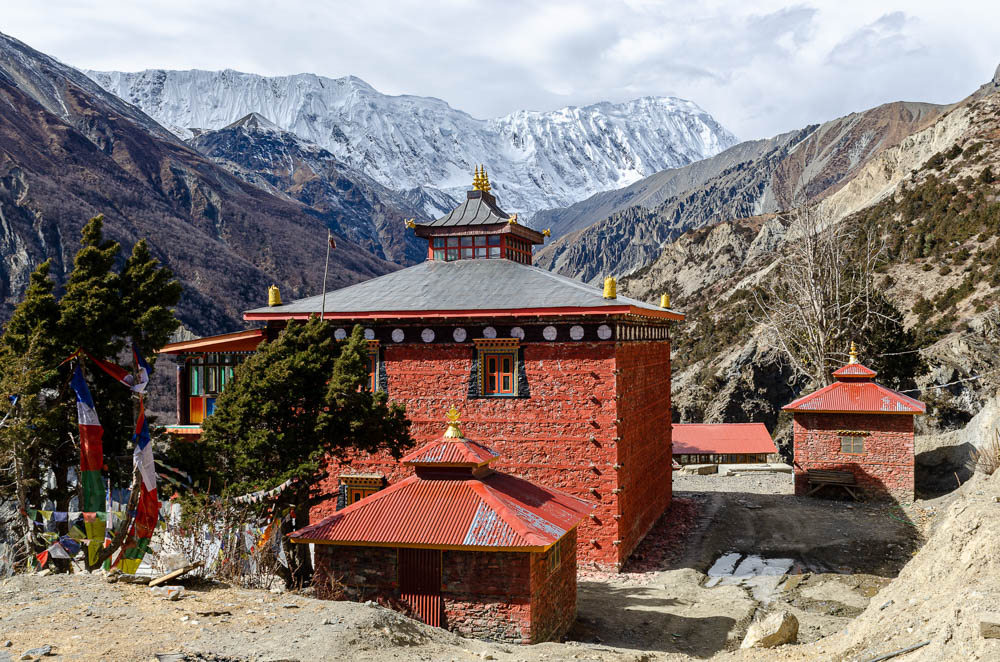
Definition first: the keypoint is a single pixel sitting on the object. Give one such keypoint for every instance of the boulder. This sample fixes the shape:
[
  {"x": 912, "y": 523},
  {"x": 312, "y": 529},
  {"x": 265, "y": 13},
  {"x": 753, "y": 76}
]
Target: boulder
[
  {"x": 989, "y": 627},
  {"x": 774, "y": 629},
  {"x": 699, "y": 469}
]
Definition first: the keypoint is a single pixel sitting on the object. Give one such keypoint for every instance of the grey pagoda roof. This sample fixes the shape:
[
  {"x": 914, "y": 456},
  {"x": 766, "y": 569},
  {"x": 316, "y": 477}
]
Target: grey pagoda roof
[
  {"x": 463, "y": 288},
  {"x": 479, "y": 208}
]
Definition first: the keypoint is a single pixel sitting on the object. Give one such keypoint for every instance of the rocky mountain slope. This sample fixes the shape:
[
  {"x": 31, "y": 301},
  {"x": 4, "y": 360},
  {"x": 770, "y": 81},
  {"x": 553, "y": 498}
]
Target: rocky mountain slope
[
  {"x": 935, "y": 197},
  {"x": 787, "y": 171},
  {"x": 353, "y": 205},
  {"x": 69, "y": 150},
  {"x": 537, "y": 159}
]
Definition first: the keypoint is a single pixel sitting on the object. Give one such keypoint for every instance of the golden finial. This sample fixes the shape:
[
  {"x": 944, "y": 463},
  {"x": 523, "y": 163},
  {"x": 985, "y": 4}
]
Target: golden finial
[
  {"x": 486, "y": 181},
  {"x": 453, "y": 432},
  {"x": 477, "y": 181},
  {"x": 664, "y": 301},
  {"x": 273, "y": 296},
  {"x": 853, "y": 354},
  {"x": 513, "y": 219},
  {"x": 610, "y": 288},
  {"x": 410, "y": 222},
  {"x": 546, "y": 232}
]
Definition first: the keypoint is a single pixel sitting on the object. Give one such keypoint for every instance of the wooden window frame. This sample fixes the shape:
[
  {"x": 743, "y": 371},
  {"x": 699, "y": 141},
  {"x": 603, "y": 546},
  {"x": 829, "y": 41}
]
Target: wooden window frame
[
  {"x": 555, "y": 557},
  {"x": 374, "y": 364},
  {"x": 359, "y": 487},
  {"x": 853, "y": 442},
  {"x": 498, "y": 349}
]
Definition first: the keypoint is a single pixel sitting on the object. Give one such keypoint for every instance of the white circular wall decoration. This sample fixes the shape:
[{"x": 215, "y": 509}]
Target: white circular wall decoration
[
  {"x": 489, "y": 332},
  {"x": 604, "y": 332},
  {"x": 398, "y": 335},
  {"x": 427, "y": 335},
  {"x": 459, "y": 334},
  {"x": 549, "y": 333},
  {"x": 369, "y": 334},
  {"x": 517, "y": 332},
  {"x": 576, "y": 332},
  {"x": 340, "y": 334}
]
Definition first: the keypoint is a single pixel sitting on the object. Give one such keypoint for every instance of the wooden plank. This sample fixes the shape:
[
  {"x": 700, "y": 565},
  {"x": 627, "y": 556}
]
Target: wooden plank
[{"x": 176, "y": 573}]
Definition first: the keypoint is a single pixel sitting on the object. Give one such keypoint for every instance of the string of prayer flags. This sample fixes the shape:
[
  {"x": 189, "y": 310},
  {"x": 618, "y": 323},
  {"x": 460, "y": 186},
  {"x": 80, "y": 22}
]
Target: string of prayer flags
[{"x": 91, "y": 460}]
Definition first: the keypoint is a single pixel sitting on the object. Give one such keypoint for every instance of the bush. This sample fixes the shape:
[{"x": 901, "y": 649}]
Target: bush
[{"x": 988, "y": 457}]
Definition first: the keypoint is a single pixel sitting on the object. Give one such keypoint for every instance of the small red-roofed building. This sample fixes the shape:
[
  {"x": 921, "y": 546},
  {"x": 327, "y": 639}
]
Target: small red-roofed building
[
  {"x": 722, "y": 443},
  {"x": 858, "y": 426},
  {"x": 458, "y": 545}
]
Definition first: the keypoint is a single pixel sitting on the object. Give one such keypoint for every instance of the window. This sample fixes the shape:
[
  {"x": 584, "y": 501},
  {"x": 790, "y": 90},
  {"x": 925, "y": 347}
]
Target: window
[
  {"x": 476, "y": 246},
  {"x": 373, "y": 366},
  {"x": 208, "y": 375},
  {"x": 555, "y": 557},
  {"x": 852, "y": 444},
  {"x": 517, "y": 249},
  {"x": 356, "y": 488},
  {"x": 498, "y": 373}
]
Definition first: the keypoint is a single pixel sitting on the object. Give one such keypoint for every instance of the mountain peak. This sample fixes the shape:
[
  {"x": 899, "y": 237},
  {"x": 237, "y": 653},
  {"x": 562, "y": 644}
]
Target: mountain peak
[{"x": 255, "y": 122}]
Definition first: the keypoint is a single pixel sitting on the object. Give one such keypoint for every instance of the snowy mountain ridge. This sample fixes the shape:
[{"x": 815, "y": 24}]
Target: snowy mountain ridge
[{"x": 537, "y": 160}]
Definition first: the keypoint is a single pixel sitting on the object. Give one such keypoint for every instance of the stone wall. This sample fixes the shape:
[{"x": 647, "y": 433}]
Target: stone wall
[
  {"x": 487, "y": 595},
  {"x": 562, "y": 437},
  {"x": 885, "y": 470},
  {"x": 553, "y": 592},
  {"x": 644, "y": 445},
  {"x": 363, "y": 573}
]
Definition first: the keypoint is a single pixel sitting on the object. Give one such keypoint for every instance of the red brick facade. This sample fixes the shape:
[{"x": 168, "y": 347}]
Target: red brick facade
[
  {"x": 593, "y": 406},
  {"x": 515, "y": 597},
  {"x": 884, "y": 470}
]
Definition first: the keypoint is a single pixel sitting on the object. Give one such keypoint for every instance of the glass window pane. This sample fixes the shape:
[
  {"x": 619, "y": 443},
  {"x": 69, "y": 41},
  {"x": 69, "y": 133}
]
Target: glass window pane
[
  {"x": 452, "y": 254},
  {"x": 481, "y": 252},
  {"x": 438, "y": 242},
  {"x": 211, "y": 381},
  {"x": 453, "y": 241},
  {"x": 439, "y": 255},
  {"x": 196, "y": 379},
  {"x": 466, "y": 241},
  {"x": 468, "y": 252},
  {"x": 481, "y": 240},
  {"x": 494, "y": 240},
  {"x": 506, "y": 384},
  {"x": 494, "y": 251}
]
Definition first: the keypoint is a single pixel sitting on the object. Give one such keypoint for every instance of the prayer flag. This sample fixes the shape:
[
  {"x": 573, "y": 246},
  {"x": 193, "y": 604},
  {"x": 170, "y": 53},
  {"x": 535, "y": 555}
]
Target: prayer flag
[{"x": 91, "y": 461}]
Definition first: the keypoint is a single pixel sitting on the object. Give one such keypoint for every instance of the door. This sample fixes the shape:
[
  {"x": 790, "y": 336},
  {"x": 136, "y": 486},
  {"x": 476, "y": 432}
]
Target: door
[{"x": 420, "y": 583}]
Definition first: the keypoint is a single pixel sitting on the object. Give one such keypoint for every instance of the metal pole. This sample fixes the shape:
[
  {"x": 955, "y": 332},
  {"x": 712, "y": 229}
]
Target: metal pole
[{"x": 326, "y": 269}]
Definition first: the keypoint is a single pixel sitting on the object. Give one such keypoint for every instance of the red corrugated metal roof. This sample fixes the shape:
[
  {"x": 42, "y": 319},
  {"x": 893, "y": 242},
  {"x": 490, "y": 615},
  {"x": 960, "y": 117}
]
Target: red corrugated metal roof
[
  {"x": 856, "y": 395},
  {"x": 710, "y": 438},
  {"x": 496, "y": 511},
  {"x": 240, "y": 341},
  {"x": 453, "y": 452},
  {"x": 854, "y": 370}
]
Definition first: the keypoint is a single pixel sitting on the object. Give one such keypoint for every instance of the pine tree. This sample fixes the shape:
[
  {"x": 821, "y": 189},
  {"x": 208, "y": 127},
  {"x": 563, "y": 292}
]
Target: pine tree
[{"x": 297, "y": 400}]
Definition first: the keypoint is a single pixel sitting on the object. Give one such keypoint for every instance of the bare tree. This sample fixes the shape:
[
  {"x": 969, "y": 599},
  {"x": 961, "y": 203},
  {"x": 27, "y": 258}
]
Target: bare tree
[{"x": 822, "y": 294}]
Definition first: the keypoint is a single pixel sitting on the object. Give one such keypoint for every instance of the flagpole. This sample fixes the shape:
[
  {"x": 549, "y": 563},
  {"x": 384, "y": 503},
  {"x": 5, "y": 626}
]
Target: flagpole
[{"x": 326, "y": 269}]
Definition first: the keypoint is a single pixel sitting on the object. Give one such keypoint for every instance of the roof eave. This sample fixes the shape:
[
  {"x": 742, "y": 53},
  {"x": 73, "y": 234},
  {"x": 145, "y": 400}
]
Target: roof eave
[
  {"x": 626, "y": 309},
  {"x": 211, "y": 341},
  {"x": 409, "y": 545},
  {"x": 799, "y": 410}
]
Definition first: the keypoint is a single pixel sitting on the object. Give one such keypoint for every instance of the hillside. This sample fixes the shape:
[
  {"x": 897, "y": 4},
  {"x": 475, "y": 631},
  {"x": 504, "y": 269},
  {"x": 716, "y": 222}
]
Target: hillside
[
  {"x": 421, "y": 144},
  {"x": 934, "y": 197},
  {"x": 69, "y": 151},
  {"x": 788, "y": 171},
  {"x": 353, "y": 205}
]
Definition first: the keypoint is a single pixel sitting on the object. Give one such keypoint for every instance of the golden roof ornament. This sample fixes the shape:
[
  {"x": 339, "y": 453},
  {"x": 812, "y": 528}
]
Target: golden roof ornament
[
  {"x": 453, "y": 432},
  {"x": 410, "y": 223},
  {"x": 546, "y": 232},
  {"x": 512, "y": 220},
  {"x": 610, "y": 288},
  {"x": 664, "y": 301},
  {"x": 853, "y": 354},
  {"x": 273, "y": 296},
  {"x": 477, "y": 181},
  {"x": 486, "y": 181}
]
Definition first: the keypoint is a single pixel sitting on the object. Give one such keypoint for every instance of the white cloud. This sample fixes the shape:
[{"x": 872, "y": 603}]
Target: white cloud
[{"x": 761, "y": 68}]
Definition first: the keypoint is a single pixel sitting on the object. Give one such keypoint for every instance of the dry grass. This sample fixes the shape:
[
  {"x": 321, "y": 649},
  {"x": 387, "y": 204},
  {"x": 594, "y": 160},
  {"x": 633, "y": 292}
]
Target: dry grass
[{"x": 987, "y": 458}]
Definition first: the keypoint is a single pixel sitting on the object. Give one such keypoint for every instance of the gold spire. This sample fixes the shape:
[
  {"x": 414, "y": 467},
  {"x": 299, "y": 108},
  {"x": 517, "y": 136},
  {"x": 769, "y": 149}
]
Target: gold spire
[
  {"x": 486, "y": 181},
  {"x": 610, "y": 288},
  {"x": 853, "y": 354},
  {"x": 477, "y": 181},
  {"x": 664, "y": 301},
  {"x": 273, "y": 296},
  {"x": 453, "y": 432}
]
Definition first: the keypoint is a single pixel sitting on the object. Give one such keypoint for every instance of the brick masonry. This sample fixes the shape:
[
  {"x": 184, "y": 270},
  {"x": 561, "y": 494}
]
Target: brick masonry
[
  {"x": 884, "y": 471},
  {"x": 514, "y": 597},
  {"x": 593, "y": 405}
]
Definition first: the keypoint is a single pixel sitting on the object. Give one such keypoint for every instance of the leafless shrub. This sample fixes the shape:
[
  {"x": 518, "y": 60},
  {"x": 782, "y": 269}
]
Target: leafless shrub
[
  {"x": 987, "y": 458},
  {"x": 328, "y": 587}
]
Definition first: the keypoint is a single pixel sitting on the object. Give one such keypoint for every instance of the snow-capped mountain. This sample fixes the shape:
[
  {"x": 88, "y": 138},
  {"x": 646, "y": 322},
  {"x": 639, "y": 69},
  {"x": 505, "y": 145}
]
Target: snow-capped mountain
[{"x": 537, "y": 160}]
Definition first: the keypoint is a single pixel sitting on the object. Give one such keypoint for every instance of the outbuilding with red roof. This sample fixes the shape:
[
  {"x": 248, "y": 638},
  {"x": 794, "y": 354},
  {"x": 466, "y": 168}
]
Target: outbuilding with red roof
[
  {"x": 458, "y": 545},
  {"x": 722, "y": 443},
  {"x": 855, "y": 433}
]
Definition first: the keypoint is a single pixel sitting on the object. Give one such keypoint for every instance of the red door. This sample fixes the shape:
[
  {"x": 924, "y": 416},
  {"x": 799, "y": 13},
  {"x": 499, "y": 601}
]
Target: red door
[{"x": 420, "y": 583}]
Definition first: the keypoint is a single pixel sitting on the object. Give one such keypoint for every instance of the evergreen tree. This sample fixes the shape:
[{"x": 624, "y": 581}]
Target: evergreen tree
[{"x": 297, "y": 400}]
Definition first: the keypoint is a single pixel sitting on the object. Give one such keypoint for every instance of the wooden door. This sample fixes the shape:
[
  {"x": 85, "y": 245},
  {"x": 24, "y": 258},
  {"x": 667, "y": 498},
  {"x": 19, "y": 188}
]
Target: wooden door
[{"x": 420, "y": 583}]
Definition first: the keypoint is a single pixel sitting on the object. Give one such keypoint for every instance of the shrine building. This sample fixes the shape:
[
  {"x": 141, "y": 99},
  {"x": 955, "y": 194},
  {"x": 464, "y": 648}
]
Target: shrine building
[
  {"x": 457, "y": 545},
  {"x": 569, "y": 382},
  {"x": 855, "y": 435}
]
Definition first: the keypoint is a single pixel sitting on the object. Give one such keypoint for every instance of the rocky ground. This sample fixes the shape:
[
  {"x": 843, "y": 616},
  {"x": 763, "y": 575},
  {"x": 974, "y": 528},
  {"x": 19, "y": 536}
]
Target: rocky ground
[{"x": 841, "y": 585}]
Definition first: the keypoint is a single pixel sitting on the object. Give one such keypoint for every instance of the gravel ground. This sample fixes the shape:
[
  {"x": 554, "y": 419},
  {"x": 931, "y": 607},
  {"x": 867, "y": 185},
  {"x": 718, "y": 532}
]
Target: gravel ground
[{"x": 749, "y": 483}]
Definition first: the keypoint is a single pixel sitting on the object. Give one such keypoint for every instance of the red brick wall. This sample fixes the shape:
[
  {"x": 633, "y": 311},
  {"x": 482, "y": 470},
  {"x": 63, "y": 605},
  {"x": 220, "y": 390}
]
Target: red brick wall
[
  {"x": 885, "y": 470},
  {"x": 550, "y": 438},
  {"x": 553, "y": 593},
  {"x": 487, "y": 595},
  {"x": 643, "y": 390}
]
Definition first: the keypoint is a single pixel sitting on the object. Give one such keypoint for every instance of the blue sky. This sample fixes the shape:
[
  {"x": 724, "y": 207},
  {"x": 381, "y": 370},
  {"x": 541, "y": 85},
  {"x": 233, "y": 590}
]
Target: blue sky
[{"x": 760, "y": 68}]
